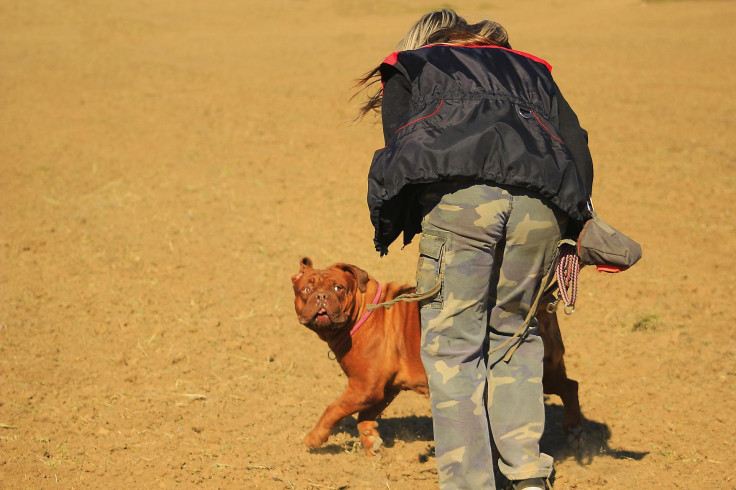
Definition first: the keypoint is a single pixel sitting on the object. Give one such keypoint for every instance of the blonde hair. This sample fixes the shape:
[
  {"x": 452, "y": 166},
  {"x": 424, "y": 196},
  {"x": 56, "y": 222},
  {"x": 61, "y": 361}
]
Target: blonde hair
[
  {"x": 493, "y": 31},
  {"x": 427, "y": 25},
  {"x": 439, "y": 27},
  {"x": 485, "y": 32}
]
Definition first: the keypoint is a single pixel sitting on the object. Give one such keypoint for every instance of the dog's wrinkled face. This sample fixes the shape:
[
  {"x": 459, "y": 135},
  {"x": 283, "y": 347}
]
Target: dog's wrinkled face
[{"x": 325, "y": 298}]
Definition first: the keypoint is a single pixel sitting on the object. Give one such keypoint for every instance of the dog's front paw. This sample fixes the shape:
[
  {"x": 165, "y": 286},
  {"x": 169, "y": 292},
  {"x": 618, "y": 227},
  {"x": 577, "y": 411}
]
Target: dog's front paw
[
  {"x": 374, "y": 449},
  {"x": 576, "y": 437},
  {"x": 372, "y": 442},
  {"x": 315, "y": 439}
]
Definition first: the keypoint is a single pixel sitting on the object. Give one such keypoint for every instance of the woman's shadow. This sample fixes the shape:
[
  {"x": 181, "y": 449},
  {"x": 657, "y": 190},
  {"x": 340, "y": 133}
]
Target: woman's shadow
[{"x": 594, "y": 441}]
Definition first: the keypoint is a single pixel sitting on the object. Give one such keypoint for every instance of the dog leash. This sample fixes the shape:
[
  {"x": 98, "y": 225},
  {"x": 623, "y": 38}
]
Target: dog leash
[
  {"x": 408, "y": 297},
  {"x": 565, "y": 270},
  {"x": 357, "y": 325},
  {"x": 518, "y": 337}
]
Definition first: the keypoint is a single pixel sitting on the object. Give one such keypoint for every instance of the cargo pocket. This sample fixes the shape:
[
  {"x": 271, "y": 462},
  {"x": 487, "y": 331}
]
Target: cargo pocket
[{"x": 430, "y": 269}]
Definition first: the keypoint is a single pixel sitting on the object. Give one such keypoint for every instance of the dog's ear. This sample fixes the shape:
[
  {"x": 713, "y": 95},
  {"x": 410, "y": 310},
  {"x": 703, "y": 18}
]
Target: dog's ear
[
  {"x": 361, "y": 276},
  {"x": 304, "y": 264}
]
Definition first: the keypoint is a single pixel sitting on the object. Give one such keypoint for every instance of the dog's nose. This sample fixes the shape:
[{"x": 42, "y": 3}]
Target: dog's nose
[{"x": 321, "y": 297}]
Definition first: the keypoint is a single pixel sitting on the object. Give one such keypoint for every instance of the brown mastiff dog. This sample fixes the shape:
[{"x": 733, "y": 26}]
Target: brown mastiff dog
[{"x": 379, "y": 350}]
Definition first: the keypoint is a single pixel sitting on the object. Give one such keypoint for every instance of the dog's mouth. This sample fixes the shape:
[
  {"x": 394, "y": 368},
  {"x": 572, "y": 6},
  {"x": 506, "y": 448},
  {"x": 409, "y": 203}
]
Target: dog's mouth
[{"x": 322, "y": 318}]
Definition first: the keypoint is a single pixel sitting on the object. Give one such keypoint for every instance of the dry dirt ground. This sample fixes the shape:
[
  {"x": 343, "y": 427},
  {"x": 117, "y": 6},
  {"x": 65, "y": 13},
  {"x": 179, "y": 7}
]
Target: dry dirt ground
[{"x": 164, "y": 165}]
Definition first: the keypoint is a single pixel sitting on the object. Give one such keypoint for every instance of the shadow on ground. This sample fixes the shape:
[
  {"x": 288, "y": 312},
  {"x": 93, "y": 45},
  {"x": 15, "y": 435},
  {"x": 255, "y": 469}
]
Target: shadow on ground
[
  {"x": 406, "y": 429},
  {"x": 595, "y": 441}
]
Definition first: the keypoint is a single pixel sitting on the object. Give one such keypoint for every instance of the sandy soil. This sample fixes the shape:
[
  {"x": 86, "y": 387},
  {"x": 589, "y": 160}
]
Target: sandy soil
[{"x": 164, "y": 165}]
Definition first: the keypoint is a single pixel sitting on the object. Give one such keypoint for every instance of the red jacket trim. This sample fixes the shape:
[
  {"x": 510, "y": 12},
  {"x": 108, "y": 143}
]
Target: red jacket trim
[{"x": 392, "y": 58}]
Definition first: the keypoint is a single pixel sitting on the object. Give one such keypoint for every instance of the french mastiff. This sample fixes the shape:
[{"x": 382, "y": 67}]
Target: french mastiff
[{"x": 379, "y": 350}]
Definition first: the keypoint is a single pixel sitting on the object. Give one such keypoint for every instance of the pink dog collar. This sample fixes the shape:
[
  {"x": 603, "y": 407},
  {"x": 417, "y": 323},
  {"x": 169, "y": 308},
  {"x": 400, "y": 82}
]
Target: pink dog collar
[{"x": 358, "y": 324}]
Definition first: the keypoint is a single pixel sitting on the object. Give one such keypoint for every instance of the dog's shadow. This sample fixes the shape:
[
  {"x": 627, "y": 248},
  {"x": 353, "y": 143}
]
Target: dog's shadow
[{"x": 595, "y": 441}]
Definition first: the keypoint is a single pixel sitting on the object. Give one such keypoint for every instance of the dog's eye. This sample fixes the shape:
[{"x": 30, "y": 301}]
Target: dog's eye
[
  {"x": 337, "y": 288},
  {"x": 306, "y": 290}
]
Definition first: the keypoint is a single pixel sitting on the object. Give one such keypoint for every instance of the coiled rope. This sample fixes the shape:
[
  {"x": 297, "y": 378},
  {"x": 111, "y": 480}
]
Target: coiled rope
[{"x": 568, "y": 269}]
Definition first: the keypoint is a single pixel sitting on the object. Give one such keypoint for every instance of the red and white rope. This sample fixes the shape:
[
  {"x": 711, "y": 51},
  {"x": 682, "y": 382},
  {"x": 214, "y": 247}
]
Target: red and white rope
[{"x": 568, "y": 268}]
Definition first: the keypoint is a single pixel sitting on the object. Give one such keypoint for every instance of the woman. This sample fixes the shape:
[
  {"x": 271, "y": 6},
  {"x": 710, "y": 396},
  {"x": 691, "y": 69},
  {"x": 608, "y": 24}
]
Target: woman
[{"x": 485, "y": 158}]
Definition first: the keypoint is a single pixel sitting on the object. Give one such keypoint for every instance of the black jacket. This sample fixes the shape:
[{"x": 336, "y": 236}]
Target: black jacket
[{"x": 480, "y": 113}]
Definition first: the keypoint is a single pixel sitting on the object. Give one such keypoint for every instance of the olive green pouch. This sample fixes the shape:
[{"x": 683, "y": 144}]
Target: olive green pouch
[{"x": 602, "y": 245}]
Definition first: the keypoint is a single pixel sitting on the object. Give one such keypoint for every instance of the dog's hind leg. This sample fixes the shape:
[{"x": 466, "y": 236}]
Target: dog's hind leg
[
  {"x": 557, "y": 383},
  {"x": 367, "y": 425},
  {"x": 555, "y": 380}
]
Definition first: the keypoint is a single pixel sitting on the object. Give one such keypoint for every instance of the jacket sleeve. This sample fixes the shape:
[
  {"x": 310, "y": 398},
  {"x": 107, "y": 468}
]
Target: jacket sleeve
[
  {"x": 395, "y": 104},
  {"x": 576, "y": 139}
]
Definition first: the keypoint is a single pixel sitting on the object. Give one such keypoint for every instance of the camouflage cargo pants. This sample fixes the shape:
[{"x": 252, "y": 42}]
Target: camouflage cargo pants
[{"x": 488, "y": 247}]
